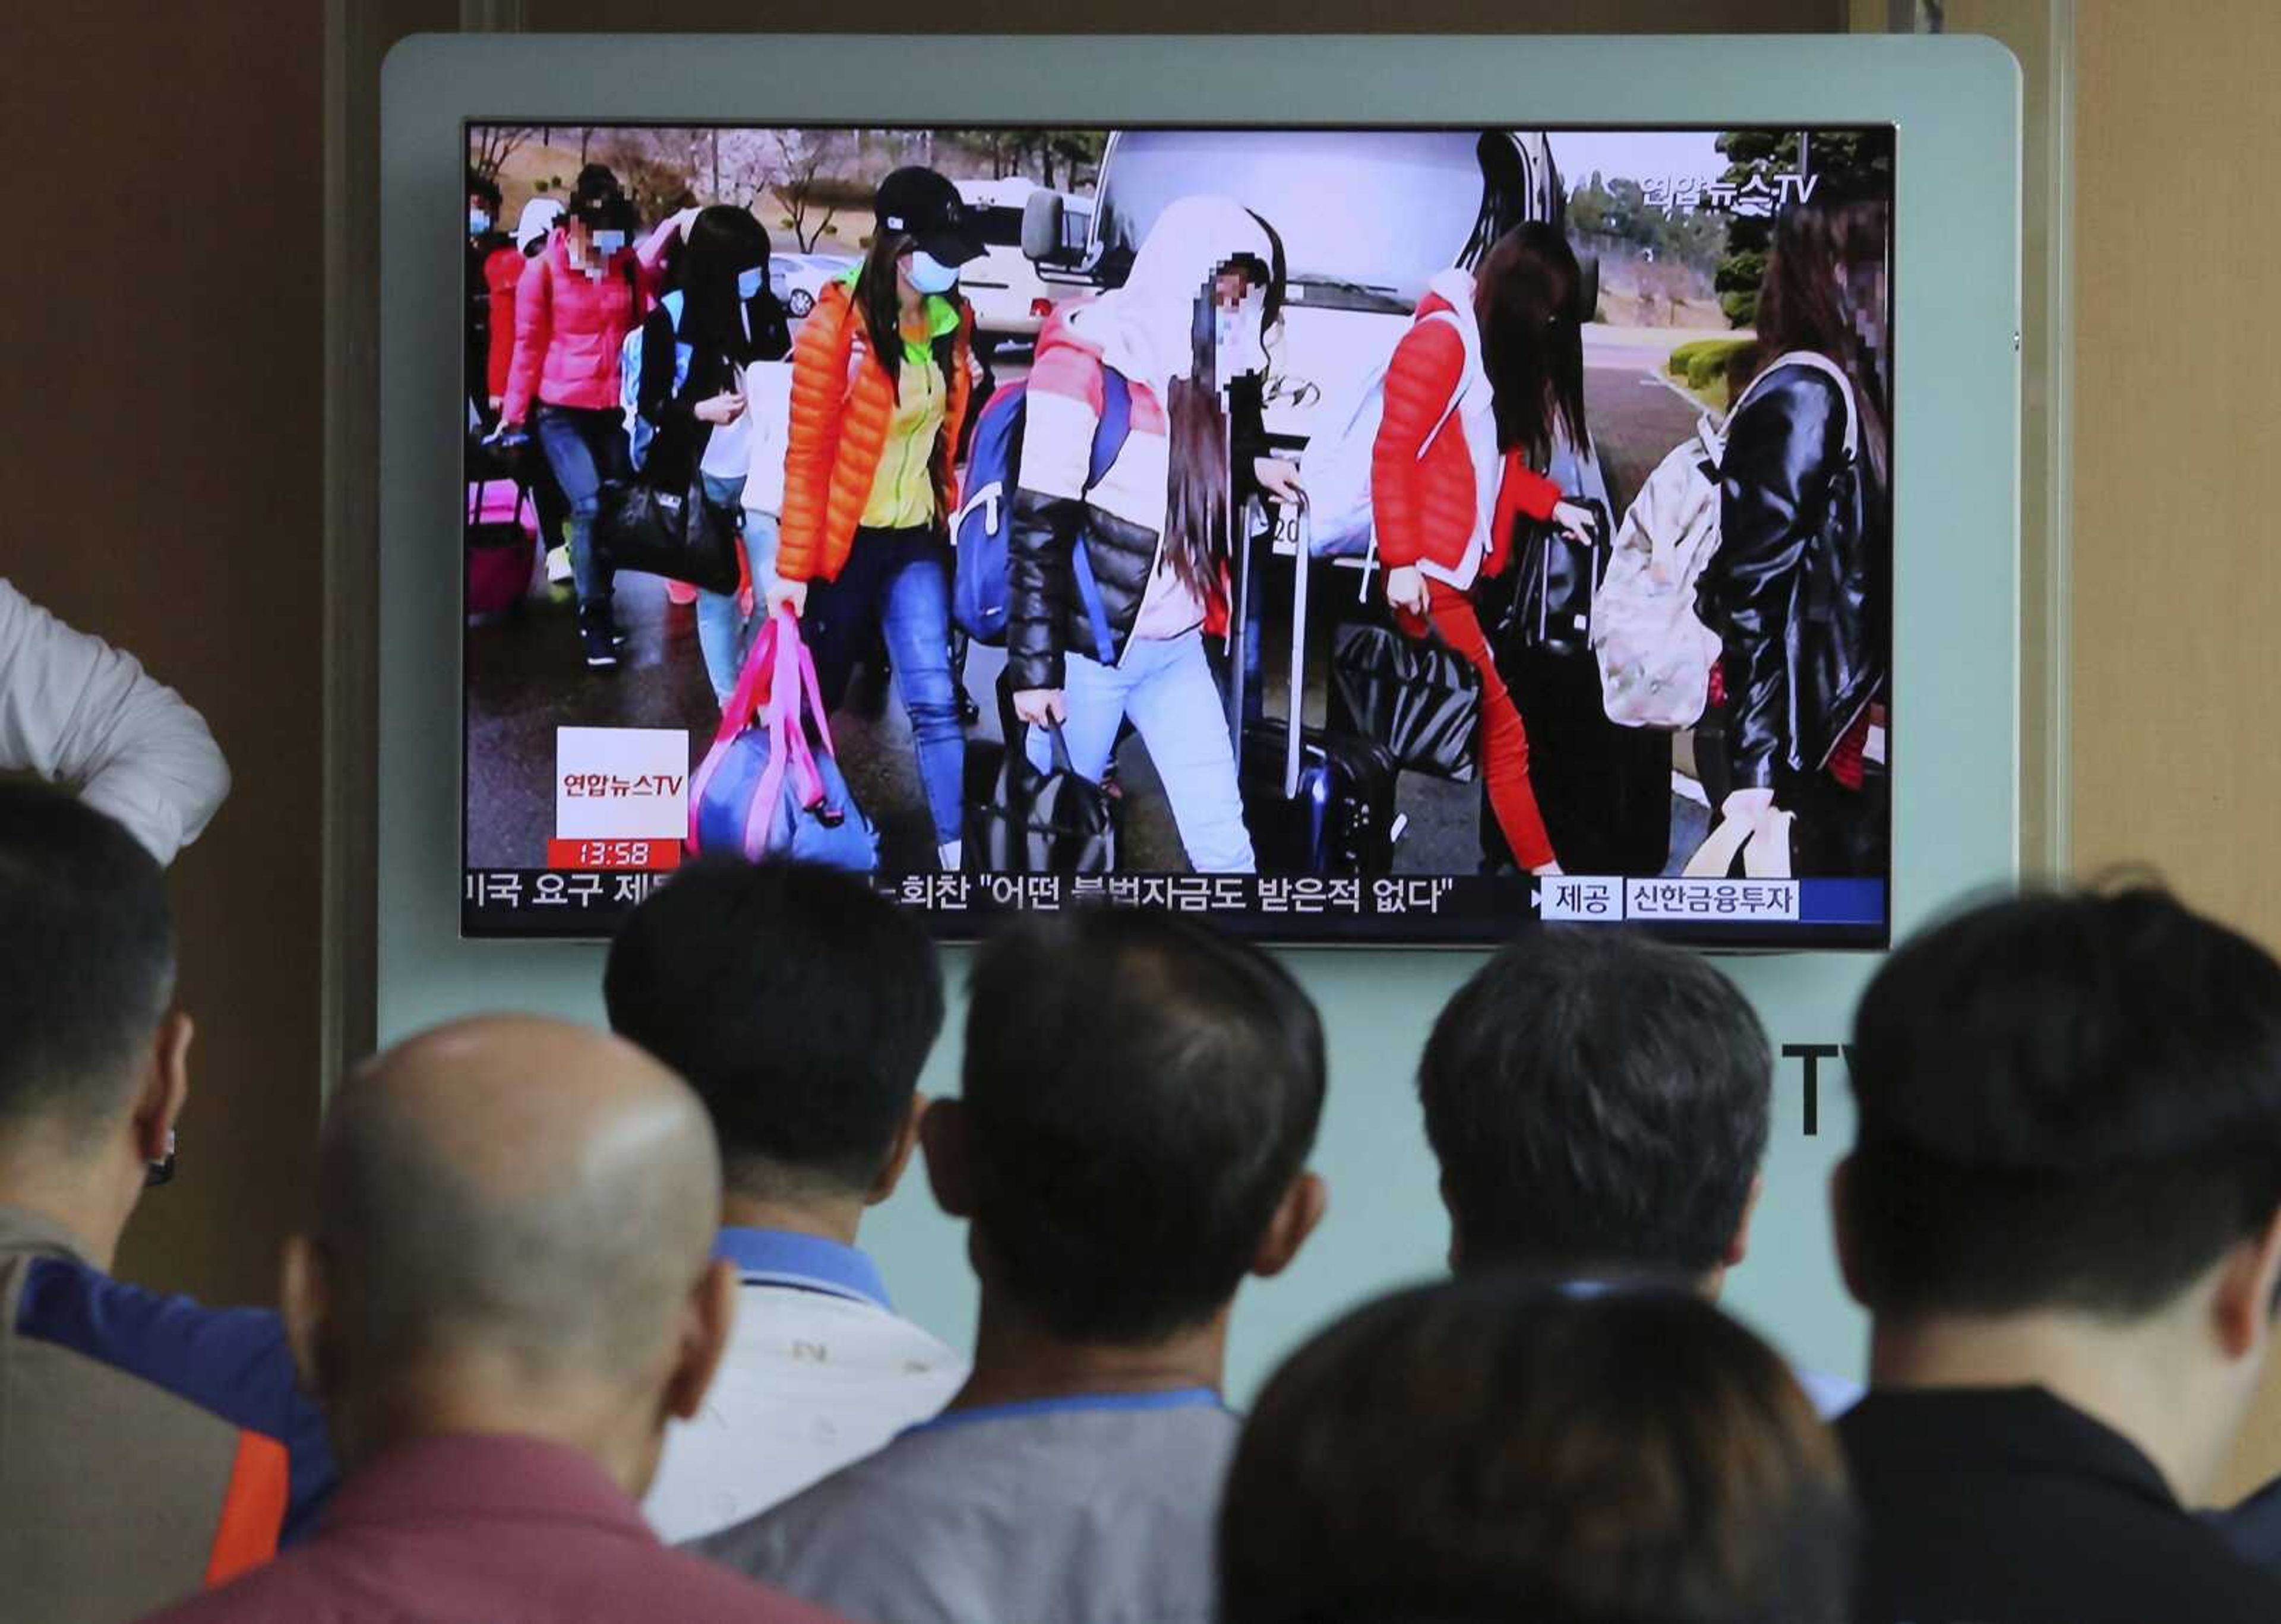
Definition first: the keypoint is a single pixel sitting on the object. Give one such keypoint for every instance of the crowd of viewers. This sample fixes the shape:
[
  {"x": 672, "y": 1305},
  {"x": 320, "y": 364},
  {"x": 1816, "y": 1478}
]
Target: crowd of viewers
[{"x": 580, "y": 1326}]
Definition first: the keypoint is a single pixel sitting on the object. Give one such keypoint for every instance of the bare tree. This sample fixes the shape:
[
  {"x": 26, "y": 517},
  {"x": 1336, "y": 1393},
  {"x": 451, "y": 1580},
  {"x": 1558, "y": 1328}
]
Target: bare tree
[
  {"x": 801, "y": 156},
  {"x": 495, "y": 143}
]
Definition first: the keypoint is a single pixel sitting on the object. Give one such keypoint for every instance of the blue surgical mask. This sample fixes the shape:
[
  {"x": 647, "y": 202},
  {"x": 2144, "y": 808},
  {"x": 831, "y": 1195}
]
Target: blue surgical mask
[
  {"x": 478, "y": 222},
  {"x": 609, "y": 242},
  {"x": 748, "y": 283},
  {"x": 929, "y": 274}
]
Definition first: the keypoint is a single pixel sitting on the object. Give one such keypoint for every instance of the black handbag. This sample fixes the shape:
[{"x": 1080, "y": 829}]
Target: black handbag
[
  {"x": 1552, "y": 610},
  {"x": 674, "y": 533},
  {"x": 1420, "y": 700},
  {"x": 1042, "y": 822}
]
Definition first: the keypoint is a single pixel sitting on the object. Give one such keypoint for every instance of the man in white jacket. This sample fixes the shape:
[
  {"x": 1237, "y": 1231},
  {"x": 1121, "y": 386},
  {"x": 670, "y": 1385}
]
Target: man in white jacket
[{"x": 76, "y": 711}]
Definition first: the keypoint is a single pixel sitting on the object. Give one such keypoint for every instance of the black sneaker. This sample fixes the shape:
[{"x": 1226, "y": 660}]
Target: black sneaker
[{"x": 595, "y": 633}]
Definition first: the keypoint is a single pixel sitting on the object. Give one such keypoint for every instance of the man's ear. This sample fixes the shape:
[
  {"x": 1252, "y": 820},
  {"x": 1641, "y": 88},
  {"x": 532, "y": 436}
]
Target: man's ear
[
  {"x": 1739, "y": 1247},
  {"x": 305, "y": 1304},
  {"x": 706, "y": 1318},
  {"x": 166, "y": 1089},
  {"x": 2243, "y": 1307},
  {"x": 949, "y": 1160},
  {"x": 1302, "y": 1208},
  {"x": 1842, "y": 1230},
  {"x": 1456, "y": 1236},
  {"x": 899, "y": 1158}
]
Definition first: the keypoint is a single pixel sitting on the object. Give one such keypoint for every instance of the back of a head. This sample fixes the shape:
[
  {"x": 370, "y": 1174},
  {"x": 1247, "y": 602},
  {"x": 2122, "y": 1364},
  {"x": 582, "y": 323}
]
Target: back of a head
[
  {"x": 525, "y": 1189},
  {"x": 87, "y": 961},
  {"x": 1597, "y": 1104},
  {"x": 1493, "y": 1449},
  {"x": 2065, "y": 1101},
  {"x": 798, "y": 1002},
  {"x": 1142, "y": 1093}
]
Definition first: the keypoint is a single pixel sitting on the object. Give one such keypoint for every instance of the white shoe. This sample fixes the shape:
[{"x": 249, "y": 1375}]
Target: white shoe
[
  {"x": 953, "y": 855},
  {"x": 558, "y": 566}
]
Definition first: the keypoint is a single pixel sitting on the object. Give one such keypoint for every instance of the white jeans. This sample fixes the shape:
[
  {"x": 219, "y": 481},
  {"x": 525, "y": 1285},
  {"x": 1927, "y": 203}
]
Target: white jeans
[{"x": 1167, "y": 687}]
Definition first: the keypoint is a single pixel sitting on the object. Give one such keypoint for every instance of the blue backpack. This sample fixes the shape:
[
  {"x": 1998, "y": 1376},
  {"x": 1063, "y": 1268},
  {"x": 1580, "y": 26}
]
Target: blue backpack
[
  {"x": 639, "y": 431},
  {"x": 986, "y": 519}
]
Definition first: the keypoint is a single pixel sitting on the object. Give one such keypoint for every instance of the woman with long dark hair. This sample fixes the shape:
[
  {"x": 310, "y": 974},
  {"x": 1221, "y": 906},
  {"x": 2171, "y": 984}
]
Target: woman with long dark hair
[
  {"x": 1796, "y": 588},
  {"x": 695, "y": 347},
  {"x": 1488, "y": 377},
  {"x": 881, "y": 379},
  {"x": 1112, "y": 583}
]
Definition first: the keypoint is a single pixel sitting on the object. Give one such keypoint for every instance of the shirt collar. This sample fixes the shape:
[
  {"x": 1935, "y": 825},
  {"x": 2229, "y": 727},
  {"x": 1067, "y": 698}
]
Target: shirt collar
[
  {"x": 1067, "y": 1403},
  {"x": 23, "y": 1230},
  {"x": 461, "y": 1477},
  {"x": 804, "y": 1263}
]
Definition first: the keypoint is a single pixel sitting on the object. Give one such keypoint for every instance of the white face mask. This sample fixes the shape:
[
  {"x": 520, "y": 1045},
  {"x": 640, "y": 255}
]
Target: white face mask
[
  {"x": 607, "y": 243},
  {"x": 929, "y": 274}
]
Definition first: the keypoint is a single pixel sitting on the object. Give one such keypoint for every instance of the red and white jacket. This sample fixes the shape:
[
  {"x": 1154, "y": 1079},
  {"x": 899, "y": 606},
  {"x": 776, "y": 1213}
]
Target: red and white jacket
[{"x": 1444, "y": 502}]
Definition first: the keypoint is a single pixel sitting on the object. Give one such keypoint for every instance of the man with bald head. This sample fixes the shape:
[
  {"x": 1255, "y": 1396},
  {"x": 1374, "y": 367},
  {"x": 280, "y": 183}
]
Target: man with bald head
[{"x": 507, "y": 1293}]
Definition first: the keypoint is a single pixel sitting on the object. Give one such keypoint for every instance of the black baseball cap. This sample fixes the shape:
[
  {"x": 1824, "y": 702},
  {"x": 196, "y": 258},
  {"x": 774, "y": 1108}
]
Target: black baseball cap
[{"x": 923, "y": 205}]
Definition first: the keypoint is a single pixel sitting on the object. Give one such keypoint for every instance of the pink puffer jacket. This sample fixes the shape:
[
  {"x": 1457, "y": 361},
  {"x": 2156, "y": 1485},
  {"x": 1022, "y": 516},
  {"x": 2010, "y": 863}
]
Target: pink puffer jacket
[{"x": 569, "y": 328}]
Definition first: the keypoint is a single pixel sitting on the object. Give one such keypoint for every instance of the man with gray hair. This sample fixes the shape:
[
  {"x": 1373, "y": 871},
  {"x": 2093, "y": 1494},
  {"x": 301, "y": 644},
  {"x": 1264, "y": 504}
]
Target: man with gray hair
[{"x": 505, "y": 1295}]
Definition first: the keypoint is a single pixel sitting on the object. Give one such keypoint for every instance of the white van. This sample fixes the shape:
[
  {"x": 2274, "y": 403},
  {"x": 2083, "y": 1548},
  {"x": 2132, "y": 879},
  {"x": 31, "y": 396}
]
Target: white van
[
  {"x": 1366, "y": 218},
  {"x": 1010, "y": 300}
]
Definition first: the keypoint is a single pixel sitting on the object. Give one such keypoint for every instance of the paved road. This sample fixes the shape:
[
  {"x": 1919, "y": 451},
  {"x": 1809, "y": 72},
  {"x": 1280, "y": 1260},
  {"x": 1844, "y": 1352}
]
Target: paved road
[{"x": 525, "y": 680}]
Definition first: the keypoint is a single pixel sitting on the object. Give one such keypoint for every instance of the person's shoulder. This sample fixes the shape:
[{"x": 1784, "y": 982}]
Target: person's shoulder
[
  {"x": 687, "y": 1585},
  {"x": 848, "y": 1506}
]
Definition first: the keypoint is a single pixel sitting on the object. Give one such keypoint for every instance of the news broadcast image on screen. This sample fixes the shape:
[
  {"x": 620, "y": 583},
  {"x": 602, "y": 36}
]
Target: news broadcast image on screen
[{"x": 1374, "y": 536}]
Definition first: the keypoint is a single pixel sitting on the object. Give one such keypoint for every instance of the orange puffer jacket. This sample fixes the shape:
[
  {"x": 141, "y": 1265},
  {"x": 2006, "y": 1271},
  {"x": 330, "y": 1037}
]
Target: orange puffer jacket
[{"x": 842, "y": 404}]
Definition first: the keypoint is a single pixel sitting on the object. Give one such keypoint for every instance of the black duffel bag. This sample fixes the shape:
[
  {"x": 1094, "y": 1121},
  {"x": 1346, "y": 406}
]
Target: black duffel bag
[
  {"x": 1420, "y": 700},
  {"x": 674, "y": 533},
  {"x": 1041, "y": 823}
]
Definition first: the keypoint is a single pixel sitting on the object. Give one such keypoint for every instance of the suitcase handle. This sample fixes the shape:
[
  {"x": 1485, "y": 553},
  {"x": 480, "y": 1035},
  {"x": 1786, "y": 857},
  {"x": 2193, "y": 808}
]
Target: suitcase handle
[{"x": 1291, "y": 733}]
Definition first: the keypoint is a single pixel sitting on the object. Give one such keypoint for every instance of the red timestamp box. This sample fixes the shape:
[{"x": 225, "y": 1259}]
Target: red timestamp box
[{"x": 643, "y": 856}]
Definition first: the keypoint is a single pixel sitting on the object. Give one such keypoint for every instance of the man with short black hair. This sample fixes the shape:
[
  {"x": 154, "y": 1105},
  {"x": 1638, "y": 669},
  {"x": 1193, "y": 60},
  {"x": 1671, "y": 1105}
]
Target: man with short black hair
[
  {"x": 2063, "y": 1211},
  {"x": 1139, "y": 1100},
  {"x": 1599, "y": 1105},
  {"x": 801, "y": 1005},
  {"x": 147, "y": 1445}
]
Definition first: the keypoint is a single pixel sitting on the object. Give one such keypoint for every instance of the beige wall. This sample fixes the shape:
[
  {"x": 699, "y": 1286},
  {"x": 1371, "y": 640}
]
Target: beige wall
[
  {"x": 165, "y": 288},
  {"x": 2176, "y": 549}
]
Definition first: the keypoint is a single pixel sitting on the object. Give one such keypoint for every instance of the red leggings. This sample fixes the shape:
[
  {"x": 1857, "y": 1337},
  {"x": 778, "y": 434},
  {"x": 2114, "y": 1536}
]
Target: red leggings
[{"x": 1504, "y": 742}]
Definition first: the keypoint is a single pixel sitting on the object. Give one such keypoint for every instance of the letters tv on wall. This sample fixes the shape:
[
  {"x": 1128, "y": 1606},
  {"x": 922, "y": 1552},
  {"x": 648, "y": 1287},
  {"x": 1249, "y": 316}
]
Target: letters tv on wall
[{"x": 1611, "y": 408}]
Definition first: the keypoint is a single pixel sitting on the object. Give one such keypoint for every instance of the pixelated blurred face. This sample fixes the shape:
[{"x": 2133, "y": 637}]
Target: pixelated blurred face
[{"x": 1239, "y": 309}]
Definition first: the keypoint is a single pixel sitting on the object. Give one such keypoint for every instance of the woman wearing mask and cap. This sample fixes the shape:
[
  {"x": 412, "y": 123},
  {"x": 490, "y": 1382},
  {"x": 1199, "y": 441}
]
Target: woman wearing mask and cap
[
  {"x": 573, "y": 308},
  {"x": 881, "y": 380},
  {"x": 1190, "y": 319}
]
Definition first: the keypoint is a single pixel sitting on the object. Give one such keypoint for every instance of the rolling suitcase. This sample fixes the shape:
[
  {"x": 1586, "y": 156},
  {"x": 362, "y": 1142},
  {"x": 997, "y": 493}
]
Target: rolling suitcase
[
  {"x": 1316, "y": 802},
  {"x": 502, "y": 547}
]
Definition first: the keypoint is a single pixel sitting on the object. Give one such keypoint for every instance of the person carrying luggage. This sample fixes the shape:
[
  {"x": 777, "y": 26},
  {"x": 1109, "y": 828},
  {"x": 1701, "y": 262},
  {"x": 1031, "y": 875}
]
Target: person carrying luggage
[
  {"x": 694, "y": 348},
  {"x": 577, "y": 300},
  {"x": 881, "y": 380},
  {"x": 1111, "y": 588},
  {"x": 1475, "y": 395}
]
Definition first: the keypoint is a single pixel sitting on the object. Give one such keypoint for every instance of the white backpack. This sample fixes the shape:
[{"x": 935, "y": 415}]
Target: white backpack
[
  {"x": 1655, "y": 654},
  {"x": 1335, "y": 468}
]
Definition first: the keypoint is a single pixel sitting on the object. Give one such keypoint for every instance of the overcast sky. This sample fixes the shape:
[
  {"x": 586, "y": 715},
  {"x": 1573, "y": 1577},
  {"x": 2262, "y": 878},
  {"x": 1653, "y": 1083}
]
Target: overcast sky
[{"x": 1637, "y": 155}]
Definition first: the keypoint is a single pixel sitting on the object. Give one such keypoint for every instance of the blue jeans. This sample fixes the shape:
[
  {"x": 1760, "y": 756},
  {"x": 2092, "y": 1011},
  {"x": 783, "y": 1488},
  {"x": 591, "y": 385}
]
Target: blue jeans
[
  {"x": 584, "y": 448},
  {"x": 1168, "y": 690},
  {"x": 899, "y": 582},
  {"x": 724, "y": 635}
]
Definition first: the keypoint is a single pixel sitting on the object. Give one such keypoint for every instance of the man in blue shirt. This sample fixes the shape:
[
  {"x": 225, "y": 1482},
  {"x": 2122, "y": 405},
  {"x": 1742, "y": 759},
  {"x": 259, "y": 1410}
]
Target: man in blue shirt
[
  {"x": 1139, "y": 1101},
  {"x": 800, "y": 1006},
  {"x": 1599, "y": 1105},
  {"x": 148, "y": 1446}
]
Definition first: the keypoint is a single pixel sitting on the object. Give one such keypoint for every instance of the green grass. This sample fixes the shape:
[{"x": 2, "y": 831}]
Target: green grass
[{"x": 1702, "y": 365}]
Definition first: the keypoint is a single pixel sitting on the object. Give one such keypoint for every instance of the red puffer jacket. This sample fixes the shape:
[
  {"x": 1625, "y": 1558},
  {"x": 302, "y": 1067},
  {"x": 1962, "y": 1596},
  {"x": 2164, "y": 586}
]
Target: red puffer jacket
[
  {"x": 1427, "y": 507},
  {"x": 569, "y": 327}
]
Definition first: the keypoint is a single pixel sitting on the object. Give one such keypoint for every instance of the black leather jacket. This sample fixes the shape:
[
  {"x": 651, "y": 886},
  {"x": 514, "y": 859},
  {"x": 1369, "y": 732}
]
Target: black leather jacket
[
  {"x": 1045, "y": 617},
  {"x": 1798, "y": 582}
]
